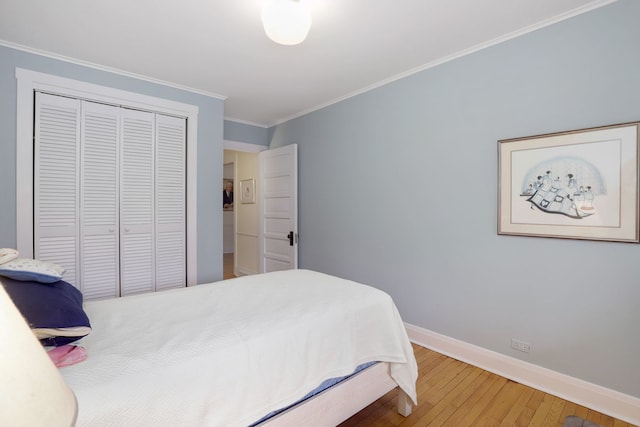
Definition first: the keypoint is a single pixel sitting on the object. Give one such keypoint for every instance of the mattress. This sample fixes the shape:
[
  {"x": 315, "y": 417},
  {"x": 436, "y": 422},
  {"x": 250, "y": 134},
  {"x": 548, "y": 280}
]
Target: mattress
[
  {"x": 326, "y": 384},
  {"x": 229, "y": 353}
]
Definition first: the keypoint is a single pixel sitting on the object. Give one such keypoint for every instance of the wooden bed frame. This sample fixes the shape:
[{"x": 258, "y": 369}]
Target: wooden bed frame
[{"x": 338, "y": 403}]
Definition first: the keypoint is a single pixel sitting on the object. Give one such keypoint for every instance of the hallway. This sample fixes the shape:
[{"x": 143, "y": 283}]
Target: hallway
[{"x": 227, "y": 266}]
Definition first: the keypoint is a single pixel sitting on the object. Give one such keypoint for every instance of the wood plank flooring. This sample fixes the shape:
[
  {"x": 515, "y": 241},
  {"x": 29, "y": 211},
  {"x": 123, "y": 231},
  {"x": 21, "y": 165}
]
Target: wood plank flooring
[
  {"x": 454, "y": 393},
  {"x": 227, "y": 266}
]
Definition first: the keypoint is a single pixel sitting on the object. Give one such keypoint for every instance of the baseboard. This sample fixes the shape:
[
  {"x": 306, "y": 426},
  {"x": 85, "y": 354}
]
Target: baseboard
[
  {"x": 598, "y": 398},
  {"x": 246, "y": 271}
]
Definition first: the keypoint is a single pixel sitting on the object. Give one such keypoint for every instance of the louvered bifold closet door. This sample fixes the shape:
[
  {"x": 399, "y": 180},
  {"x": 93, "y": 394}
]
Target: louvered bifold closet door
[
  {"x": 137, "y": 258},
  {"x": 99, "y": 201},
  {"x": 56, "y": 191},
  {"x": 170, "y": 202}
]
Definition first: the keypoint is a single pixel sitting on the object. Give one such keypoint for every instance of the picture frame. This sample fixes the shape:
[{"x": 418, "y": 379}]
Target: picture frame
[
  {"x": 227, "y": 194},
  {"x": 580, "y": 184},
  {"x": 248, "y": 191}
]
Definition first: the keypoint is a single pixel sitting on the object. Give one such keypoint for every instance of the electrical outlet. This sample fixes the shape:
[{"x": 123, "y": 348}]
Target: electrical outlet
[{"x": 520, "y": 345}]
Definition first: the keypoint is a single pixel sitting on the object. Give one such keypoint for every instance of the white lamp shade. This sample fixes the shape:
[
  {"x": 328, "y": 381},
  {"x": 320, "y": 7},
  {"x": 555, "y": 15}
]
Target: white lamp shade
[
  {"x": 32, "y": 391},
  {"x": 286, "y": 21}
]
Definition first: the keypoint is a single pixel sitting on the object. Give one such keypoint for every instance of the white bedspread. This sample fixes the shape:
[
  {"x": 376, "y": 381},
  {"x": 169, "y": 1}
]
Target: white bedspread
[{"x": 228, "y": 353}]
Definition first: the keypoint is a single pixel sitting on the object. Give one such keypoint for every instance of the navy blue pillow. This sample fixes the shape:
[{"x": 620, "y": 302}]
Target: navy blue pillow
[{"x": 52, "y": 310}]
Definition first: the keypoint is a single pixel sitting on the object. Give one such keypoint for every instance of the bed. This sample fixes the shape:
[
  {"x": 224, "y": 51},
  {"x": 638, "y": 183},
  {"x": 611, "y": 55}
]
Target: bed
[{"x": 230, "y": 353}]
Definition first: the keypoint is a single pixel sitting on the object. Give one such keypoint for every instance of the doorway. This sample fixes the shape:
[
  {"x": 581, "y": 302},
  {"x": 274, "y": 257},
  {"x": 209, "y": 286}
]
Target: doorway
[
  {"x": 227, "y": 267},
  {"x": 241, "y": 239},
  {"x": 228, "y": 215}
]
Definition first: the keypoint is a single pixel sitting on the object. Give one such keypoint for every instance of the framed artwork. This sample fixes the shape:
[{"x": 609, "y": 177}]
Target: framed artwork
[
  {"x": 248, "y": 191},
  {"x": 580, "y": 184},
  {"x": 227, "y": 194}
]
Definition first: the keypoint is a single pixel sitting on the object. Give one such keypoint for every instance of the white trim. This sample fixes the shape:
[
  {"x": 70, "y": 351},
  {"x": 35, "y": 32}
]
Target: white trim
[
  {"x": 247, "y": 234},
  {"x": 243, "y": 146},
  {"x": 246, "y": 271},
  {"x": 28, "y": 81},
  {"x": 613, "y": 403},
  {"x": 87, "y": 64},
  {"x": 245, "y": 122}
]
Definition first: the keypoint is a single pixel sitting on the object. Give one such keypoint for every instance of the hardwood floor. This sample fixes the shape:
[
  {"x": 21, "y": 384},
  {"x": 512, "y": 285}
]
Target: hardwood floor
[
  {"x": 454, "y": 393},
  {"x": 227, "y": 266}
]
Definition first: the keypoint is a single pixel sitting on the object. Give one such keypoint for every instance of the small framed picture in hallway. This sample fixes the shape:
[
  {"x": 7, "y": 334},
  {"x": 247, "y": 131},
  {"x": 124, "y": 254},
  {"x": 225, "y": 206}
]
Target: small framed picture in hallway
[{"x": 248, "y": 191}]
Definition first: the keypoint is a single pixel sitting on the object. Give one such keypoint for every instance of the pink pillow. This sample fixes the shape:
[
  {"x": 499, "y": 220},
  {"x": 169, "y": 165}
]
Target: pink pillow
[{"x": 67, "y": 355}]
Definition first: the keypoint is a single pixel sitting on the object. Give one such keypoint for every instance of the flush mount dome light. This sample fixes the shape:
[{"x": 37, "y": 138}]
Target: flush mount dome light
[{"x": 286, "y": 21}]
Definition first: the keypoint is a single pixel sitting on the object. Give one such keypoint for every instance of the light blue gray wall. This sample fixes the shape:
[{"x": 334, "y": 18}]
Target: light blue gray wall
[
  {"x": 210, "y": 131},
  {"x": 242, "y": 132},
  {"x": 398, "y": 189}
]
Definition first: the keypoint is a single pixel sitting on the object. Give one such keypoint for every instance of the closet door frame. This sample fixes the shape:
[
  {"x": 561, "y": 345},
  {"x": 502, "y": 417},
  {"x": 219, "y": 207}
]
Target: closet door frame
[{"x": 29, "y": 81}]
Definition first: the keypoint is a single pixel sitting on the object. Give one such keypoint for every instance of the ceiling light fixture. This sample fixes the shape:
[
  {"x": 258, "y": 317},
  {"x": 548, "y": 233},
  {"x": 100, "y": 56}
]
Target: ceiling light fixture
[{"x": 286, "y": 21}]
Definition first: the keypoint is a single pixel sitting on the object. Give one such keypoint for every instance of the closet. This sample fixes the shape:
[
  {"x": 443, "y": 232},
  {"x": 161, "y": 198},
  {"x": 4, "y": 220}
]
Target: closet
[{"x": 109, "y": 195}]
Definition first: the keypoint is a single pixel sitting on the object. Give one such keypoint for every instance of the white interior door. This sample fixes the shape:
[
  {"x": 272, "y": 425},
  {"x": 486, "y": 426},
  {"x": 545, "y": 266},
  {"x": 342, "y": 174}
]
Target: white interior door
[
  {"x": 109, "y": 195},
  {"x": 137, "y": 262},
  {"x": 170, "y": 214},
  {"x": 55, "y": 185},
  {"x": 278, "y": 203},
  {"x": 99, "y": 194}
]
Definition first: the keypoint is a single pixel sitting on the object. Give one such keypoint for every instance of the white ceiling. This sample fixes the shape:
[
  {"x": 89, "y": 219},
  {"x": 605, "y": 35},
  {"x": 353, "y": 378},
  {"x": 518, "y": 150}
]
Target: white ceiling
[{"x": 218, "y": 47}]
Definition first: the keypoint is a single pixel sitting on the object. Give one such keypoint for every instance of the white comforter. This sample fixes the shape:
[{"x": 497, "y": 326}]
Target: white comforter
[{"x": 228, "y": 353}]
